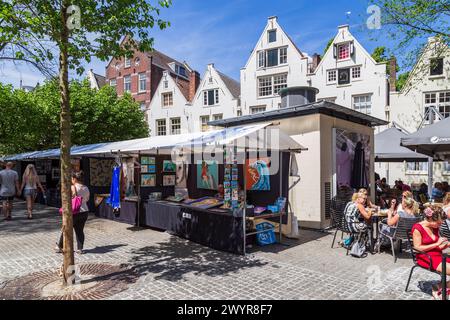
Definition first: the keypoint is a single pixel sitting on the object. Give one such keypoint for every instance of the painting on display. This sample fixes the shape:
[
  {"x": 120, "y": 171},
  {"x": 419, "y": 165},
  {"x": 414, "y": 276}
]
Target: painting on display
[
  {"x": 144, "y": 169},
  {"x": 148, "y": 180},
  {"x": 207, "y": 174},
  {"x": 257, "y": 174},
  {"x": 169, "y": 166},
  {"x": 169, "y": 180},
  {"x": 101, "y": 172},
  {"x": 151, "y": 168},
  {"x": 206, "y": 203},
  {"x": 148, "y": 160},
  {"x": 181, "y": 174}
]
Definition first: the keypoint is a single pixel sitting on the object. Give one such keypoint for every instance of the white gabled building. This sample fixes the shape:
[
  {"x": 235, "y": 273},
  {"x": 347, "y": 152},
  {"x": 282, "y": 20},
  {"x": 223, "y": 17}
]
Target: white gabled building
[
  {"x": 168, "y": 112},
  {"x": 217, "y": 98},
  {"x": 275, "y": 63},
  {"x": 348, "y": 75},
  {"x": 425, "y": 95}
]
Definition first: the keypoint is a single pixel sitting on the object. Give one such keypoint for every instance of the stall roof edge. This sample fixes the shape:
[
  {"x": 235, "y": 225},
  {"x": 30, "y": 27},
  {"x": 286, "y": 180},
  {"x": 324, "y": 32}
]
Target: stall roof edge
[{"x": 323, "y": 107}]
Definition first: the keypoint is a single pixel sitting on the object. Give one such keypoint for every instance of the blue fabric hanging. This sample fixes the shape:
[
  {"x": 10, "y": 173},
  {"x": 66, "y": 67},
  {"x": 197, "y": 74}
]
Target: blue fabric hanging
[{"x": 114, "y": 198}]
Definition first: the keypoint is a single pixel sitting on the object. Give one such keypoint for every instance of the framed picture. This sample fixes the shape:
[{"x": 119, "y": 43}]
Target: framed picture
[
  {"x": 257, "y": 174},
  {"x": 207, "y": 174},
  {"x": 169, "y": 166},
  {"x": 151, "y": 160},
  {"x": 144, "y": 168},
  {"x": 147, "y": 160},
  {"x": 169, "y": 180},
  {"x": 148, "y": 180},
  {"x": 151, "y": 168}
]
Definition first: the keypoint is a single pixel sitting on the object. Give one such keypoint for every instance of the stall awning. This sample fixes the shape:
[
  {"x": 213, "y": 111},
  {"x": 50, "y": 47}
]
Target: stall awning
[
  {"x": 432, "y": 140},
  {"x": 251, "y": 137},
  {"x": 388, "y": 148}
]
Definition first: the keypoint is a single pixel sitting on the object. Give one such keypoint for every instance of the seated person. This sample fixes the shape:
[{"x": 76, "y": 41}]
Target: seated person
[
  {"x": 445, "y": 187},
  {"x": 426, "y": 239},
  {"x": 436, "y": 192},
  {"x": 423, "y": 190},
  {"x": 405, "y": 194},
  {"x": 368, "y": 203},
  {"x": 446, "y": 207},
  {"x": 356, "y": 214}
]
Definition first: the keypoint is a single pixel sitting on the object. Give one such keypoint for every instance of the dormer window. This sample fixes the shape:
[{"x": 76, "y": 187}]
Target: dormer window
[
  {"x": 437, "y": 67},
  {"x": 344, "y": 51},
  {"x": 211, "y": 97},
  {"x": 180, "y": 70},
  {"x": 272, "y": 35},
  {"x": 272, "y": 57}
]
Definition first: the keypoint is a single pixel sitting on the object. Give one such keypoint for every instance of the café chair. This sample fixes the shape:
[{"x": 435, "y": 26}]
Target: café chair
[
  {"x": 400, "y": 232},
  {"x": 338, "y": 221},
  {"x": 414, "y": 253},
  {"x": 444, "y": 230}
]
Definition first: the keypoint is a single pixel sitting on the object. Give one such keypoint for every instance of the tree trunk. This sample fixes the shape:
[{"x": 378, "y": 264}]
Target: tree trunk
[{"x": 66, "y": 196}]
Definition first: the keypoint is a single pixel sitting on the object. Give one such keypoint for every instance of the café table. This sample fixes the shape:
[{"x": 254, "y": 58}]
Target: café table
[{"x": 377, "y": 217}]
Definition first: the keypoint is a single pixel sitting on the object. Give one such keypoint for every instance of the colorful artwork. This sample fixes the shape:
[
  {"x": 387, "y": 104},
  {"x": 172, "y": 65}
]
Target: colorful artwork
[
  {"x": 144, "y": 169},
  {"x": 169, "y": 166},
  {"x": 147, "y": 160},
  {"x": 206, "y": 203},
  {"x": 148, "y": 180},
  {"x": 207, "y": 175},
  {"x": 151, "y": 168},
  {"x": 257, "y": 174},
  {"x": 169, "y": 180},
  {"x": 101, "y": 172},
  {"x": 181, "y": 174}
]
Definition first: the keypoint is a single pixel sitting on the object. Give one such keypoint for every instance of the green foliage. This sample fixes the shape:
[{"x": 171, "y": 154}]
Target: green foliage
[
  {"x": 330, "y": 42},
  {"x": 31, "y": 121},
  {"x": 379, "y": 55},
  {"x": 401, "y": 80}
]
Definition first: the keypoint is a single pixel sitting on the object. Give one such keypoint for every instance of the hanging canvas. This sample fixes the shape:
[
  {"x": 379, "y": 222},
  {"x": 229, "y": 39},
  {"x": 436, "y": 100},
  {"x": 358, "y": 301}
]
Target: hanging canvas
[
  {"x": 207, "y": 174},
  {"x": 181, "y": 174},
  {"x": 144, "y": 169},
  {"x": 145, "y": 160},
  {"x": 101, "y": 172},
  {"x": 151, "y": 168},
  {"x": 169, "y": 166},
  {"x": 169, "y": 180},
  {"x": 257, "y": 174},
  {"x": 148, "y": 180}
]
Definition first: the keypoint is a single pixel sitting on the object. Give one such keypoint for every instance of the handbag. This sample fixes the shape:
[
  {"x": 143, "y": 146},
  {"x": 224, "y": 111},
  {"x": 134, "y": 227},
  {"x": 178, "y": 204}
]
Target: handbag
[
  {"x": 77, "y": 201},
  {"x": 358, "y": 249}
]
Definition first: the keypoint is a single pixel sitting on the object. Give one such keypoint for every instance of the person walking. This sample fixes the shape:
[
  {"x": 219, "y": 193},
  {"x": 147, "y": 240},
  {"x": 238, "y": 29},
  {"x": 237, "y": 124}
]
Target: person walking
[
  {"x": 30, "y": 181},
  {"x": 9, "y": 187},
  {"x": 79, "y": 219}
]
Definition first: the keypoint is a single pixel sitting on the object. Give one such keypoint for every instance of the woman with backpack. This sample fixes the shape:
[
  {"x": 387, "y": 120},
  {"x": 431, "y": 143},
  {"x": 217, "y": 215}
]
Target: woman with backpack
[{"x": 79, "y": 218}]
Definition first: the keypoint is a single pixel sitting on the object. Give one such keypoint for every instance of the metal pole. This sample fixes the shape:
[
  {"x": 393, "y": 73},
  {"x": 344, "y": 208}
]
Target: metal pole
[
  {"x": 139, "y": 191},
  {"x": 244, "y": 221},
  {"x": 430, "y": 178},
  {"x": 281, "y": 195},
  {"x": 444, "y": 276}
]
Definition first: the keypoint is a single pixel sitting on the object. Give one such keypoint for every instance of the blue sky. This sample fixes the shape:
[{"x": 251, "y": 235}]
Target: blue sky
[{"x": 225, "y": 32}]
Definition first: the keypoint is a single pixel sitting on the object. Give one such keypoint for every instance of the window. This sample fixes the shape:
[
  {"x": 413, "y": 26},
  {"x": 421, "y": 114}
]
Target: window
[
  {"x": 137, "y": 62},
  {"x": 279, "y": 82},
  {"x": 437, "y": 67},
  {"x": 166, "y": 84},
  {"x": 417, "y": 167},
  {"x": 261, "y": 59},
  {"x": 210, "y": 80},
  {"x": 332, "y": 76},
  {"x": 161, "y": 127},
  {"x": 264, "y": 86},
  {"x": 175, "y": 126},
  {"x": 211, "y": 97},
  {"x": 142, "y": 82},
  {"x": 430, "y": 98},
  {"x": 204, "y": 123},
  {"x": 272, "y": 57},
  {"x": 239, "y": 113},
  {"x": 344, "y": 51},
  {"x": 356, "y": 72},
  {"x": 127, "y": 62},
  {"x": 127, "y": 84},
  {"x": 440, "y": 101},
  {"x": 444, "y": 104},
  {"x": 344, "y": 76},
  {"x": 113, "y": 83},
  {"x": 217, "y": 117},
  {"x": 447, "y": 167},
  {"x": 167, "y": 99},
  {"x": 283, "y": 55},
  {"x": 142, "y": 106},
  {"x": 363, "y": 104},
  {"x": 272, "y": 35},
  {"x": 257, "y": 109},
  {"x": 180, "y": 70}
]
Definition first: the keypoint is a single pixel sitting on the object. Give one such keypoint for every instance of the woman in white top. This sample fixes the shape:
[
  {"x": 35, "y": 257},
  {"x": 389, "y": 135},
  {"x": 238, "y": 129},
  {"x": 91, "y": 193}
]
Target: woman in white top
[
  {"x": 30, "y": 182},
  {"x": 79, "y": 219}
]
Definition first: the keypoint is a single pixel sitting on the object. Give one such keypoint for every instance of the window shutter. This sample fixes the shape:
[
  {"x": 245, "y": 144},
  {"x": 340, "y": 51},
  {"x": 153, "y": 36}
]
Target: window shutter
[
  {"x": 352, "y": 49},
  {"x": 334, "y": 51}
]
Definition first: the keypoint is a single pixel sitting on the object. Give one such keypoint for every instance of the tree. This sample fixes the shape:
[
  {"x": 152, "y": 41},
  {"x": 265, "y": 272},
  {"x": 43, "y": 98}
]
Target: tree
[
  {"x": 401, "y": 81},
  {"x": 33, "y": 30},
  {"x": 330, "y": 42},
  {"x": 406, "y": 21}
]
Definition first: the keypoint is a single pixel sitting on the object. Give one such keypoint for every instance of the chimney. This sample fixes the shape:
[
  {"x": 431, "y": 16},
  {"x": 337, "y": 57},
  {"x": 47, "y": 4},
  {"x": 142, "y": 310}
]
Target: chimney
[
  {"x": 316, "y": 58},
  {"x": 392, "y": 74},
  {"x": 194, "y": 82}
]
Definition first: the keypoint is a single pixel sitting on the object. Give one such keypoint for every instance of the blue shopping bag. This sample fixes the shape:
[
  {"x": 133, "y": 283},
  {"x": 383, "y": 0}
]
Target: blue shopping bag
[{"x": 267, "y": 237}]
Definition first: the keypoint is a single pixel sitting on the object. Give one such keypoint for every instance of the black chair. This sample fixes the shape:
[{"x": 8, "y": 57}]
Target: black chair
[
  {"x": 414, "y": 253},
  {"x": 338, "y": 218},
  {"x": 400, "y": 233},
  {"x": 444, "y": 231}
]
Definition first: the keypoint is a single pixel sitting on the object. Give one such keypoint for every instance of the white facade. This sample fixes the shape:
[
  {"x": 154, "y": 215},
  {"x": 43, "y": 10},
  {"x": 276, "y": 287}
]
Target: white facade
[
  {"x": 408, "y": 107},
  {"x": 214, "y": 100},
  {"x": 275, "y": 63},
  {"x": 347, "y": 75},
  {"x": 168, "y": 112}
]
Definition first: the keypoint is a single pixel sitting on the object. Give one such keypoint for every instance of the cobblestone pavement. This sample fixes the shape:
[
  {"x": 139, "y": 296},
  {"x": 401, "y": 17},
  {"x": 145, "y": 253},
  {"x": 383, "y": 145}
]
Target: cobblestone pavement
[{"x": 169, "y": 267}]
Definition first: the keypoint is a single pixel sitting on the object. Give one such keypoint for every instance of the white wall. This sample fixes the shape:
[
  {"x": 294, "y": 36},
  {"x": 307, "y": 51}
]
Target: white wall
[
  {"x": 178, "y": 110},
  {"x": 227, "y": 105},
  {"x": 373, "y": 79},
  {"x": 296, "y": 69}
]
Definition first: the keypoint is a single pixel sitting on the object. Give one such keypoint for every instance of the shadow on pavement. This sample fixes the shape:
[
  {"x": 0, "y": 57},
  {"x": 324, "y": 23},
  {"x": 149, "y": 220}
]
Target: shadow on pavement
[{"x": 104, "y": 249}]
